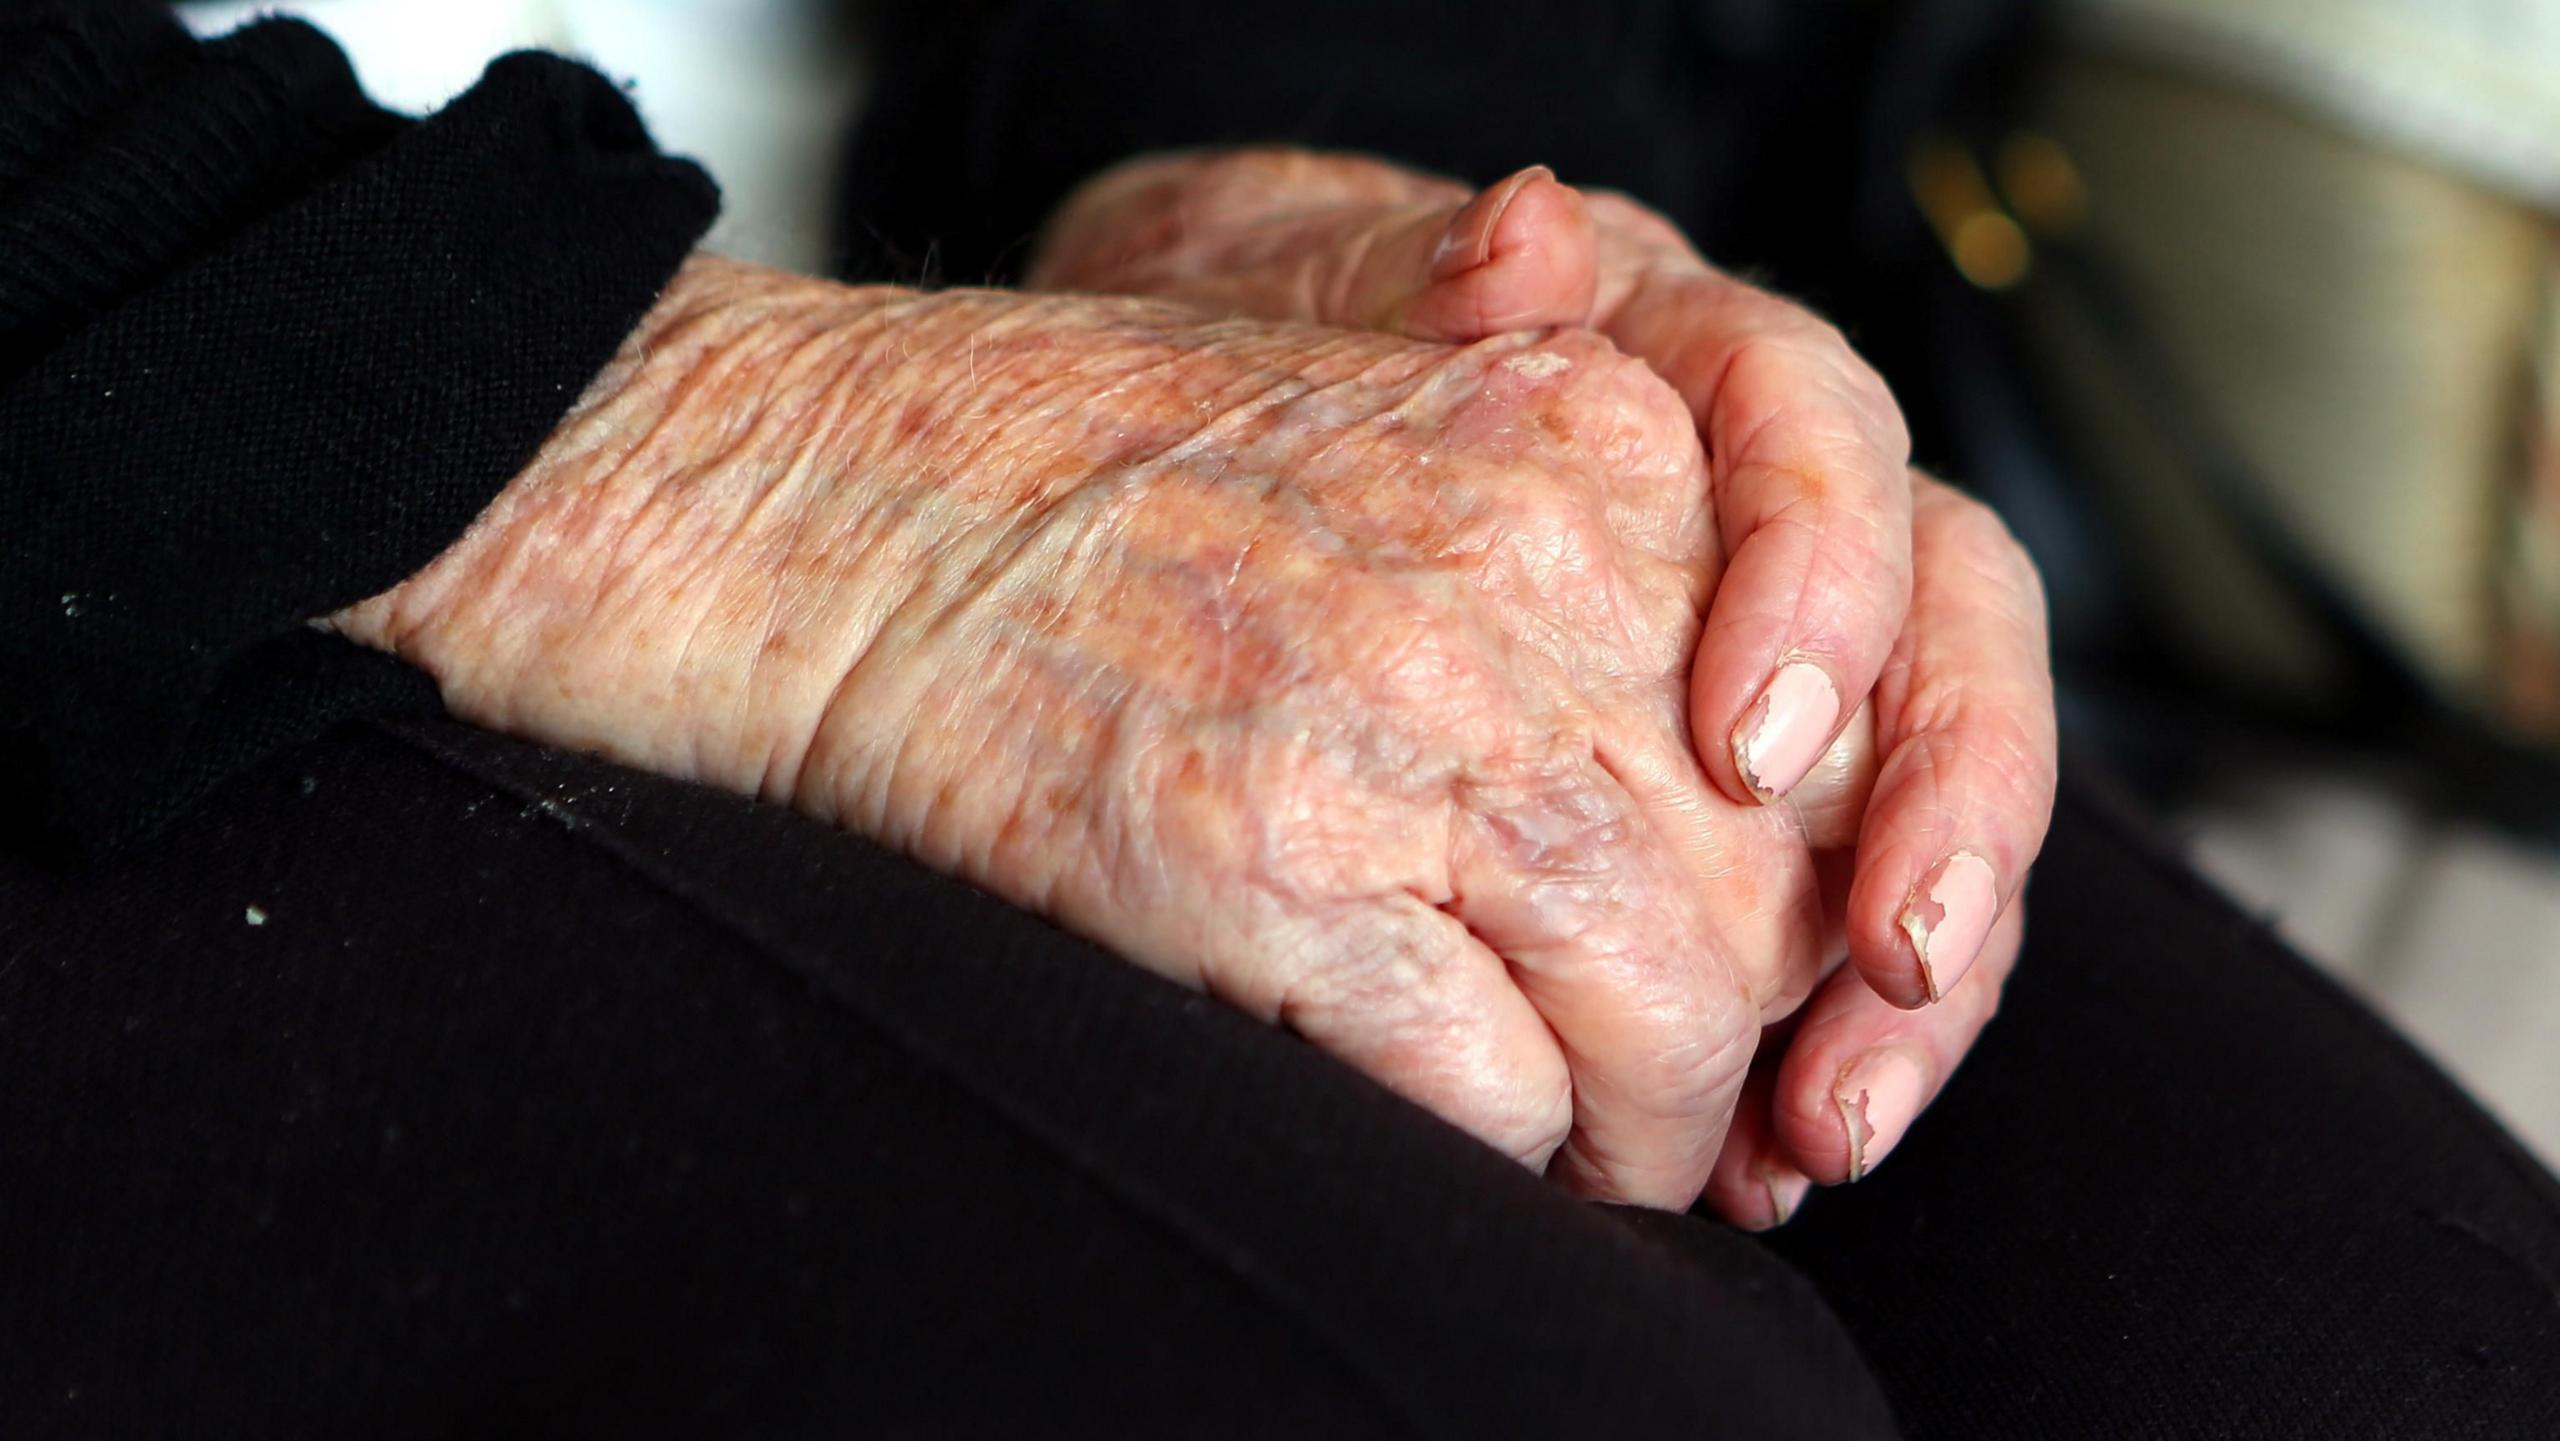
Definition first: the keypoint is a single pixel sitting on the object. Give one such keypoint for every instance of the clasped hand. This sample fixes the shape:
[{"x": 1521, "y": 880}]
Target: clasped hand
[{"x": 1466, "y": 629}]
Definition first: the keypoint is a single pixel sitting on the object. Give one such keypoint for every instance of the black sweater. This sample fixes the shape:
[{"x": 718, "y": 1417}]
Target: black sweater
[{"x": 266, "y": 349}]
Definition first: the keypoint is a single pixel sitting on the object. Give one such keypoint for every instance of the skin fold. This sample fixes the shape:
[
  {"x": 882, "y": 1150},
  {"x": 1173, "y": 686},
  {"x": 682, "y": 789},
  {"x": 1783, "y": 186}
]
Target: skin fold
[{"x": 1346, "y": 675}]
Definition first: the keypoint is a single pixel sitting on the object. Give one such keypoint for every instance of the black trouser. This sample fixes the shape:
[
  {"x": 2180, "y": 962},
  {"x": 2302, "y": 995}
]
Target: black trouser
[{"x": 428, "y": 1082}]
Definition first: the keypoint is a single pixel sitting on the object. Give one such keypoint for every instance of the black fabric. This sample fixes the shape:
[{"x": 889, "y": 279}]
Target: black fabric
[
  {"x": 2188, "y": 1187},
  {"x": 426, "y": 1083},
  {"x": 1734, "y": 117},
  {"x": 429, "y": 1083},
  {"x": 265, "y": 350}
]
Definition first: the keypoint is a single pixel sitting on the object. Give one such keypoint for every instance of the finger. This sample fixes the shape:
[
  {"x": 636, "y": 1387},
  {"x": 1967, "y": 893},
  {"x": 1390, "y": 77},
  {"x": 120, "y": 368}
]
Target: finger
[
  {"x": 1859, "y": 1071},
  {"x": 1748, "y": 868},
  {"x": 1964, "y": 718},
  {"x": 1560, "y": 873},
  {"x": 1808, "y": 454},
  {"x": 1333, "y": 238},
  {"x": 1756, "y": 1185},
  {"x": 1521, "y": 255},
  {"x": 1518, "y": 255},
  {"x": 1146, "y": 223},
  {"x": 1831, "y": 801},
  {"x": 1412, "y": 1000}
]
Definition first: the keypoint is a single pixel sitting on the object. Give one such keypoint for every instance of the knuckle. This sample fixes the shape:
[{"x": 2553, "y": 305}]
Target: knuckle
[
  {"x": 1419, "y": 1019},
  {"x": 1398, "y": 647},
  {"x": 1859, "y": 554},
  {"x": 1549, "y": 515},
  {"x": 1700, "y": 1060},
  {"x": 2003, "y": 753},
  {"x": 1570, "y": 843},
  {"x": 1801, "y": 365},
  {"x": 1602, "y": 394},
  {"x": 1984, "y": 550},
  {"x": 1533, "y": 1120},
  {"x": 1977, "y": 532},
  {"x": 1543, "y": 539},
  {"x": 1573, "y": 398},
  {"x": 1765, "y": 375},
  {"x": 1383, "y": 980},
  {"x": 2025, "y": 580},
  {"x": 1429, "y": 660},
  {"x": 1940, "y": 707}
]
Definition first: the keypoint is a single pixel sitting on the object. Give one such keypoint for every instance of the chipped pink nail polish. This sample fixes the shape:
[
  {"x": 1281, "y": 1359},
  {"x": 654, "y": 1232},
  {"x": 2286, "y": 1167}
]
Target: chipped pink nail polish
[
  {"x": 1949, "y": 916},
  {"x": 1879, "y": 1096},
  {"x": 1787, "y": 1190},
  {"x": 1782, "y": 733}
]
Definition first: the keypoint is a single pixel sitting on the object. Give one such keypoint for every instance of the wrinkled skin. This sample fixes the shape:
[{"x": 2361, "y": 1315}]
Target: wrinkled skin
[
  {"x": 1904, "y": 623},
  {"x": 1342, "y": 675},
  {"x": 1358, "y": 681}
]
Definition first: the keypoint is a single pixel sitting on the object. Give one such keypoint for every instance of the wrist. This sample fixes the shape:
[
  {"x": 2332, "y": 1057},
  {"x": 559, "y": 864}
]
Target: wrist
[
  {"x": 777, "y": 480},
  {"x": 621, "y": 593}
]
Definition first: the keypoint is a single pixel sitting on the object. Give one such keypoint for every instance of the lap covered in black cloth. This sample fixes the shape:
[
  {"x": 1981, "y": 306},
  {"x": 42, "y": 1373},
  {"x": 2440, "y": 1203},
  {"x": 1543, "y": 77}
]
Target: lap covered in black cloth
[{"x": 426, "y": 1082}]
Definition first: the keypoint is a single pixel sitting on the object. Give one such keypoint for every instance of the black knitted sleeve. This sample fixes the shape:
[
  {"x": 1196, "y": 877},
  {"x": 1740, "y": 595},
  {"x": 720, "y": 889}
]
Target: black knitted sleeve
[{"x": 266, "y": 349}]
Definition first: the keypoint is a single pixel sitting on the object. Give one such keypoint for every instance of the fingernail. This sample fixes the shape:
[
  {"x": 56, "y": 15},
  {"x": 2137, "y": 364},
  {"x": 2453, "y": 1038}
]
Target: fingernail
[
  {"x": 1782, "y": 733},
  {"x": 1948, "y": 917},
  {"x": 1787, "y": 1190},
  {"x": 1879, "y": 1097},
  {"x": 1469, "y": 240}
]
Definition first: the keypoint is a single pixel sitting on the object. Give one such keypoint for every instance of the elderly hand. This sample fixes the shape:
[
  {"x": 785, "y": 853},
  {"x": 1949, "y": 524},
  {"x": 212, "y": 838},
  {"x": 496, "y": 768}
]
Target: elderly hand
[
  {"x": 1825, "y": 530},
  {"x": 1343, "y": 675}
]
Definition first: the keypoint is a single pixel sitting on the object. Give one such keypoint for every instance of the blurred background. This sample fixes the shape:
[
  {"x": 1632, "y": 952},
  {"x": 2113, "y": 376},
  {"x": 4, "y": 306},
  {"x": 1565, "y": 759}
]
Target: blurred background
[{"x": 2246, "y": 313}]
